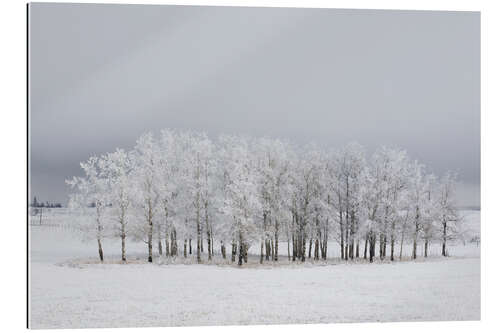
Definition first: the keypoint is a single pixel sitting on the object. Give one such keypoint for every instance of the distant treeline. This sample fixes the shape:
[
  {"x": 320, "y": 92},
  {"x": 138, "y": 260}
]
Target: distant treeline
[{"x": 46, "y": 204}]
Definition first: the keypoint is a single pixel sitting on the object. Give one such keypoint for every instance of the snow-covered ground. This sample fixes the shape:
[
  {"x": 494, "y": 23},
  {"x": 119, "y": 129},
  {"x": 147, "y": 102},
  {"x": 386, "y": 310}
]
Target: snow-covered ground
[{"x": 69, "y": 290}]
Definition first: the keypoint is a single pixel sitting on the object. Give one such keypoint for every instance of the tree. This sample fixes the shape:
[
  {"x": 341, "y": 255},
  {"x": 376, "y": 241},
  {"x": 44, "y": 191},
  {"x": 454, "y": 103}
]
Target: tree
[
  {"x": 169, "y": 186},
  {"x": 242, "y": 191},
  {"x": 144, "y": 176},
  {"x": 391, "y": 167},
  {"x": 272, "y": 176},
  {"x": 241, "y": 202},
  {"x": 371, "y": 195},
  {"x": 352, "y": 165},
  {"x": 447, "y": 210},
  {"x": 204, "y": 150},
  {"x": 116, "y": 171},
  {"x": 198, "y": 184},
  {"x": 418, "y": 187},
  {"x": 91, "y": 189},
  {"x": 429, "y": 214}
]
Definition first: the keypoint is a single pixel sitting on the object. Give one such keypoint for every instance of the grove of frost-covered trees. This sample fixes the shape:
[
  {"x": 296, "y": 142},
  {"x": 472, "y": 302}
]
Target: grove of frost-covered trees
[{"x": 183, "y": 194}]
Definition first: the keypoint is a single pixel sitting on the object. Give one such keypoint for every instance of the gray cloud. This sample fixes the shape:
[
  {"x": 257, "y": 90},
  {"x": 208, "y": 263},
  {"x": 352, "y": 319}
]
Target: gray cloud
[{"x": 103, "y": 74}]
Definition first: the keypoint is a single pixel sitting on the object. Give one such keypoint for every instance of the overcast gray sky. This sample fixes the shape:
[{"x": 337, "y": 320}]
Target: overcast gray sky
[{"x": 103, "y": 74}]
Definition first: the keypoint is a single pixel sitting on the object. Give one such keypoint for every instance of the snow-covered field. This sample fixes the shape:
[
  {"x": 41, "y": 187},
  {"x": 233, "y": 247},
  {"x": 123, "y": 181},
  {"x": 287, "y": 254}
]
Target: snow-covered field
[{"x": 69, "y": 290}]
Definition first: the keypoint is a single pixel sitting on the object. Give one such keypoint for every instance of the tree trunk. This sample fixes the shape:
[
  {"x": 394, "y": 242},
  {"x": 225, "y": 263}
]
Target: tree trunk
[
  {"x": 268, "y": 249},
  {"x": 415, "y": 235},
  {"x": 99, "y": 246},
  {"x": 380, "y": 247},
  {"x": 245, "y": 253},
  {"x": 321, "y": 247},
  {"x": 325, "y": 242},
  {"x": 212, "y": 235},
  {"x": 426, "y": 244},
  {"x": 393, "y": 231},
  {"x": 346, "y": 250},
  {"x": 401, "y": 246},
  {"x": 310, "y": 247},
  {"x": 173, "y": 242},
  {"x": 272, "y": 248},
  {"x": 276, "y": 234},
  {"x": 288, "y": 247},
  {"x": 261, "y": 251},
  {"x": 443, "y": 249},
  {"x": 276, "y": 238},
  {"x": 233, "y": 251},
  {"x": 185, "y": 248},
  {"x": 414, "y": 253},
  {"x": 150, "y": 231},
  {"x": 223, "y": 249},
  {"x": 316, "y": 249},
  {"x": 209, "y": 245},
  {"x": 303, "y": 247},
  {"x": 240, "y": 254},
  {"x": 201, "y": 239},
  {"x": 373, "y": 240},
  {"x": 167, "y": 250},
  {"x": 123, "y": 247},
  {"x": 347, "y": 227},
  {"x": 122, "y": 233},
  {"x": 150, "y": 244},
  {"x": 209, "y": 238},
  {"x": 341, "y": 237},
  {"x": 385, "y": 245},
  {"x": 198, "y": 237},
  {"x": 366, "y": 247}
]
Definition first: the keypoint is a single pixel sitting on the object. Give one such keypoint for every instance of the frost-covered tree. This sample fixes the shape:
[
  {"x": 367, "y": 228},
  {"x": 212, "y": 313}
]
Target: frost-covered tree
[
  {"x": 272, "y": 163},
  {"x": 448, "y": 215},
  {"x": 391, "y": 167},
  {"x": 169, "y": 184},
  {"x": 91, "y": 190},
  {"x": 333, "y": 186},
  {"x": 371, "y": 194},
  {"x": 116, "y": 170},
  {"x": 418, "y": 188},
  {"x": 430, "y": 213},
  {"x": 352, "y": 164},
  {"x": 307, "y": 200},
  {"x": 238, "y": 191},
  {"x": 144, "y": 176},
  {"x": 318, "y": 228},
  {"x": 241, "y": 203},
  {"x": 200, "y": 187}
]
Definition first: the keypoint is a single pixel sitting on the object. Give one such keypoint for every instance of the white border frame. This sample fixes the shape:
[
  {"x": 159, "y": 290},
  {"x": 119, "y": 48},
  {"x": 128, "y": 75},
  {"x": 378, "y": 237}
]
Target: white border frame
[{"x": 13, "y": 161}]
